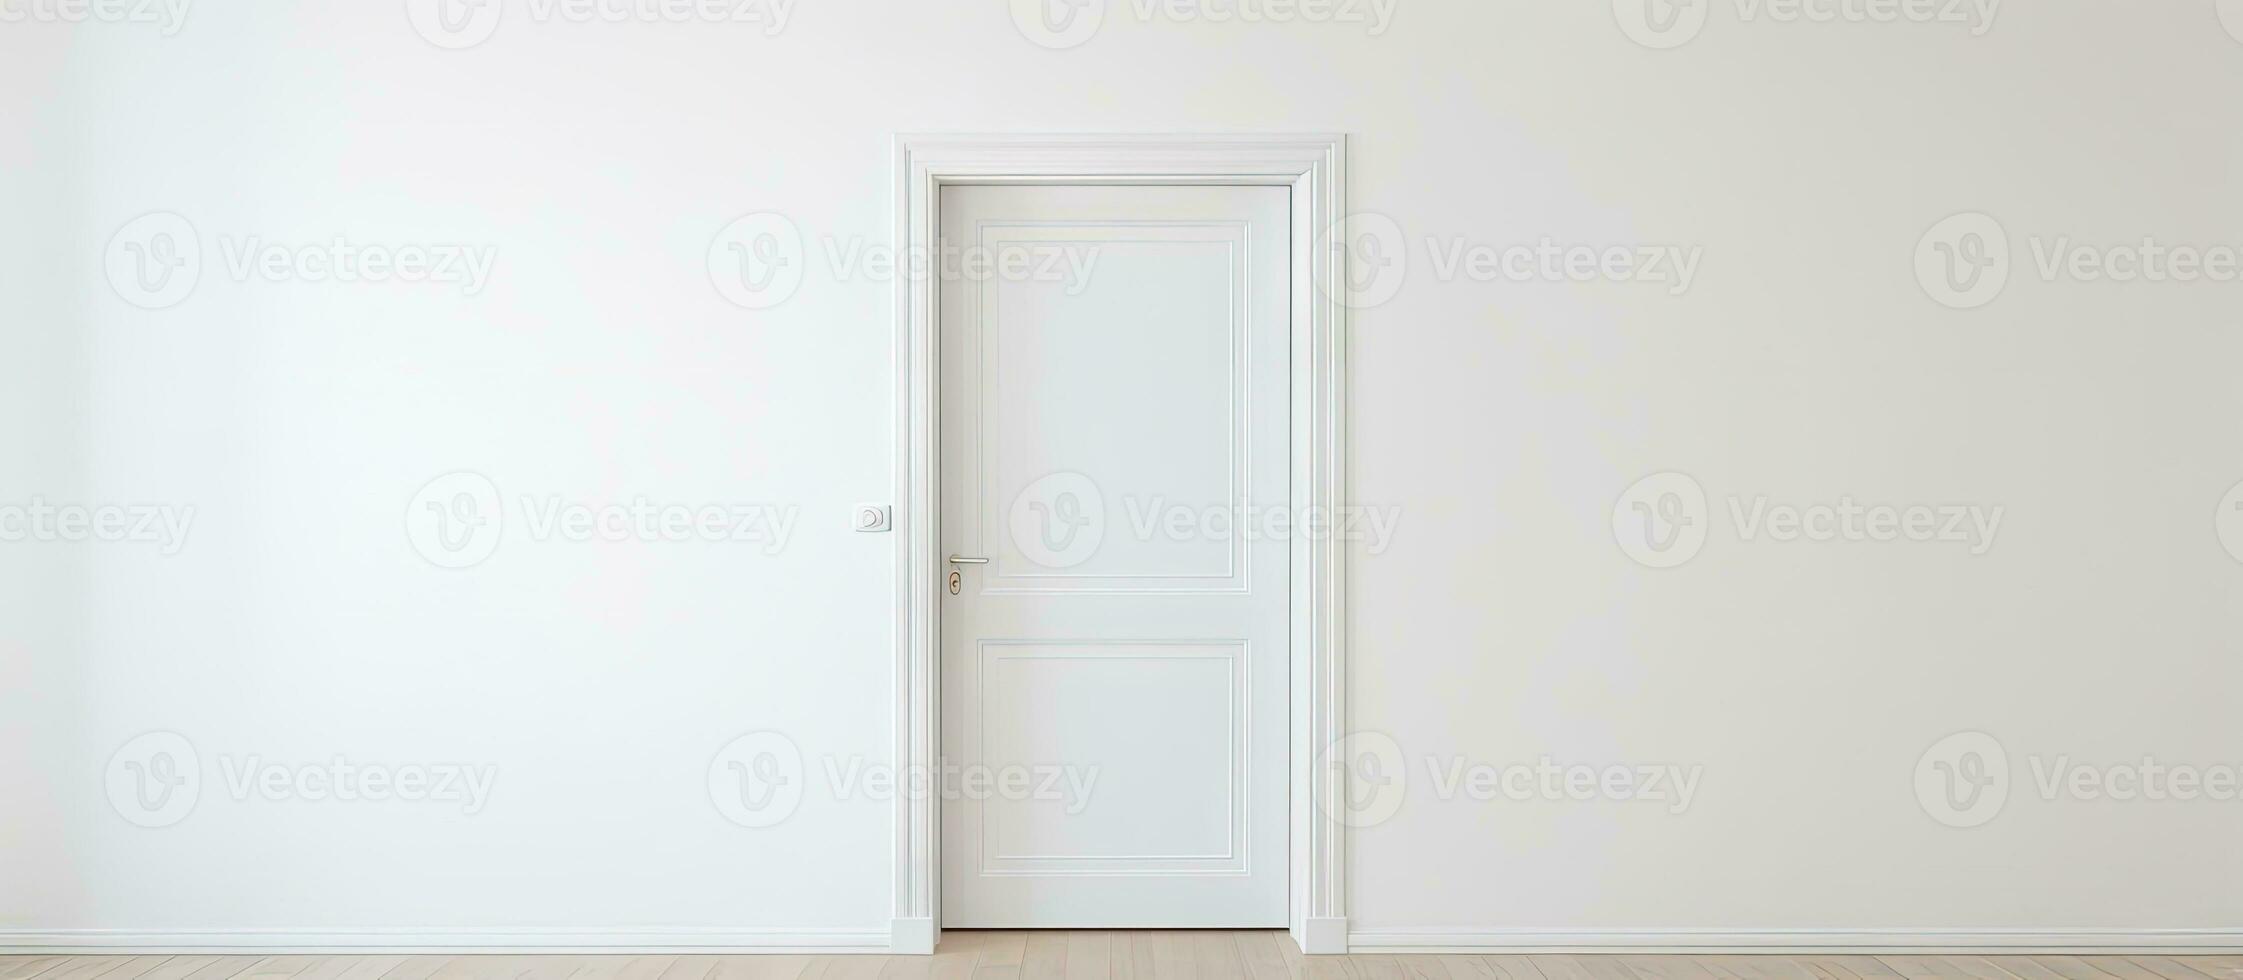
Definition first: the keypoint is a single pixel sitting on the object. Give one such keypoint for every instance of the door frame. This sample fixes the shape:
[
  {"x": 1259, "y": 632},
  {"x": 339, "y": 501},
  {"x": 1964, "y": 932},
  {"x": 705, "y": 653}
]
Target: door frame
[{"x": 1311, "y": 165}]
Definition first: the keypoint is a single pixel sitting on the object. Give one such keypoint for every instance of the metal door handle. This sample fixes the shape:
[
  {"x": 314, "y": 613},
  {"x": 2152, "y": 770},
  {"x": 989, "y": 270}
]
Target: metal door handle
[{"x": 958, "y": 560}]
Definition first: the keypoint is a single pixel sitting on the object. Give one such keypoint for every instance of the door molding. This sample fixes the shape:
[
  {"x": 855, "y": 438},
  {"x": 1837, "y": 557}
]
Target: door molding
[{"x": 1312, "y": 166}]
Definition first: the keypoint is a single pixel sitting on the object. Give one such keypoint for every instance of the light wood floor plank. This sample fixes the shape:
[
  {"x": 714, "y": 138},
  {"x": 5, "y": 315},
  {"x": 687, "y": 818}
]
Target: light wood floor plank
[
  {"x": 2169, "y": 967},
  {"x": 2025, "y": 968},
  {"x": 843, "y": 968},
  {"x": 28, "y": 967},
  {"x": 227, "y": 967},
  {"x": 1560, "y": 966},
  {"x": 1506, "y": 966},
  {"x": 753, "y": 967},
  {"x": 1377, "y": 967},
  {"x": 1846, "y": 968},
  {"x": 2117, "y": 966},
  {"x": 1172, "y": 956},
  {"x": 182, "y": 967},
  {"x": 1044, "y": 956},
  {"x": 1215, "y": 956},
  {"x": 85, "y": 967},
  {"x": 133, "y": 967},
  {"x": 1259, "y": 951},
  {"x": 1001, "y": 954},
  {"x": 1751, "y": 967},
  {"x": 1133, "y": 956},
  {"x": 1422, "y": 966},
  {"x": 1946, "y": 968},
  {"x": 1119, "y": 955},
  {"x": 954, "y": 958},
  {"x": 1666, "y": 967},
  {"x": 1090, "y": 955},
  {"x": 278, "y": 967}
]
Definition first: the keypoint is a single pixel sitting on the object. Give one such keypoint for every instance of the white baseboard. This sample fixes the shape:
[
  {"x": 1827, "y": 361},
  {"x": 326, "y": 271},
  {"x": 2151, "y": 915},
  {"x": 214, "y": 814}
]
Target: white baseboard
[
  {"x": 542, "y": 940},
  {"x": 912, "y": 937},
  {"x": 1796, "y": 941},
  {"x": 1322, "y": 936}
]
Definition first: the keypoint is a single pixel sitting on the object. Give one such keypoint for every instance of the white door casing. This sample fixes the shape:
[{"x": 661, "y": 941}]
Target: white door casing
[
  {"x": 1311, "y": 167},
  {"x": 1115, "y": 374}
]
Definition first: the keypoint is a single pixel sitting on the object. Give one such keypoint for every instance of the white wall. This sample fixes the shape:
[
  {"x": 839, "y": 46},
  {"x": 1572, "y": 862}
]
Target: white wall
[{"x": 1503, "y": 420}]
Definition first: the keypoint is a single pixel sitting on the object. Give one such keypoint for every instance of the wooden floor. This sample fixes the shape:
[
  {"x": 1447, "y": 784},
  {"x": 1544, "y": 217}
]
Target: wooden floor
[{"x": 1119, "y": 956}]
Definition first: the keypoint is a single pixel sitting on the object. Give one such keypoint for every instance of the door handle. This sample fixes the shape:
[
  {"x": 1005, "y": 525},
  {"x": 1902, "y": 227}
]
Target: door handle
[{"x": 959, "y": 560}]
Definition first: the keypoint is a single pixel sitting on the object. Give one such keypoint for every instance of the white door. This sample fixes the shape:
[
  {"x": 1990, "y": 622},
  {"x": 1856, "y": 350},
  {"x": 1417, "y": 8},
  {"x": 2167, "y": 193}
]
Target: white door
[{"x": 1115, "y": 444}]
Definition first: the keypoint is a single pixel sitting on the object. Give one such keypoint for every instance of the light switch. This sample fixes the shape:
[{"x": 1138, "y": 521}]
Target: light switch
[{"x": 873, "y": 517}]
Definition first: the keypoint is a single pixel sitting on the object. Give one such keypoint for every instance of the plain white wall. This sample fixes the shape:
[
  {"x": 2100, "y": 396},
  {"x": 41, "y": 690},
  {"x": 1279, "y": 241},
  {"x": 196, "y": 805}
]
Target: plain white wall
[{"x": 1501, "y": 419}]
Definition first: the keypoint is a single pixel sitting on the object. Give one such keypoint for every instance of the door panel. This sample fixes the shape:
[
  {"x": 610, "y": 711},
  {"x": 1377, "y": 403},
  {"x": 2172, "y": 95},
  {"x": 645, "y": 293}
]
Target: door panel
[{"x": 1114, "y": 441}]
